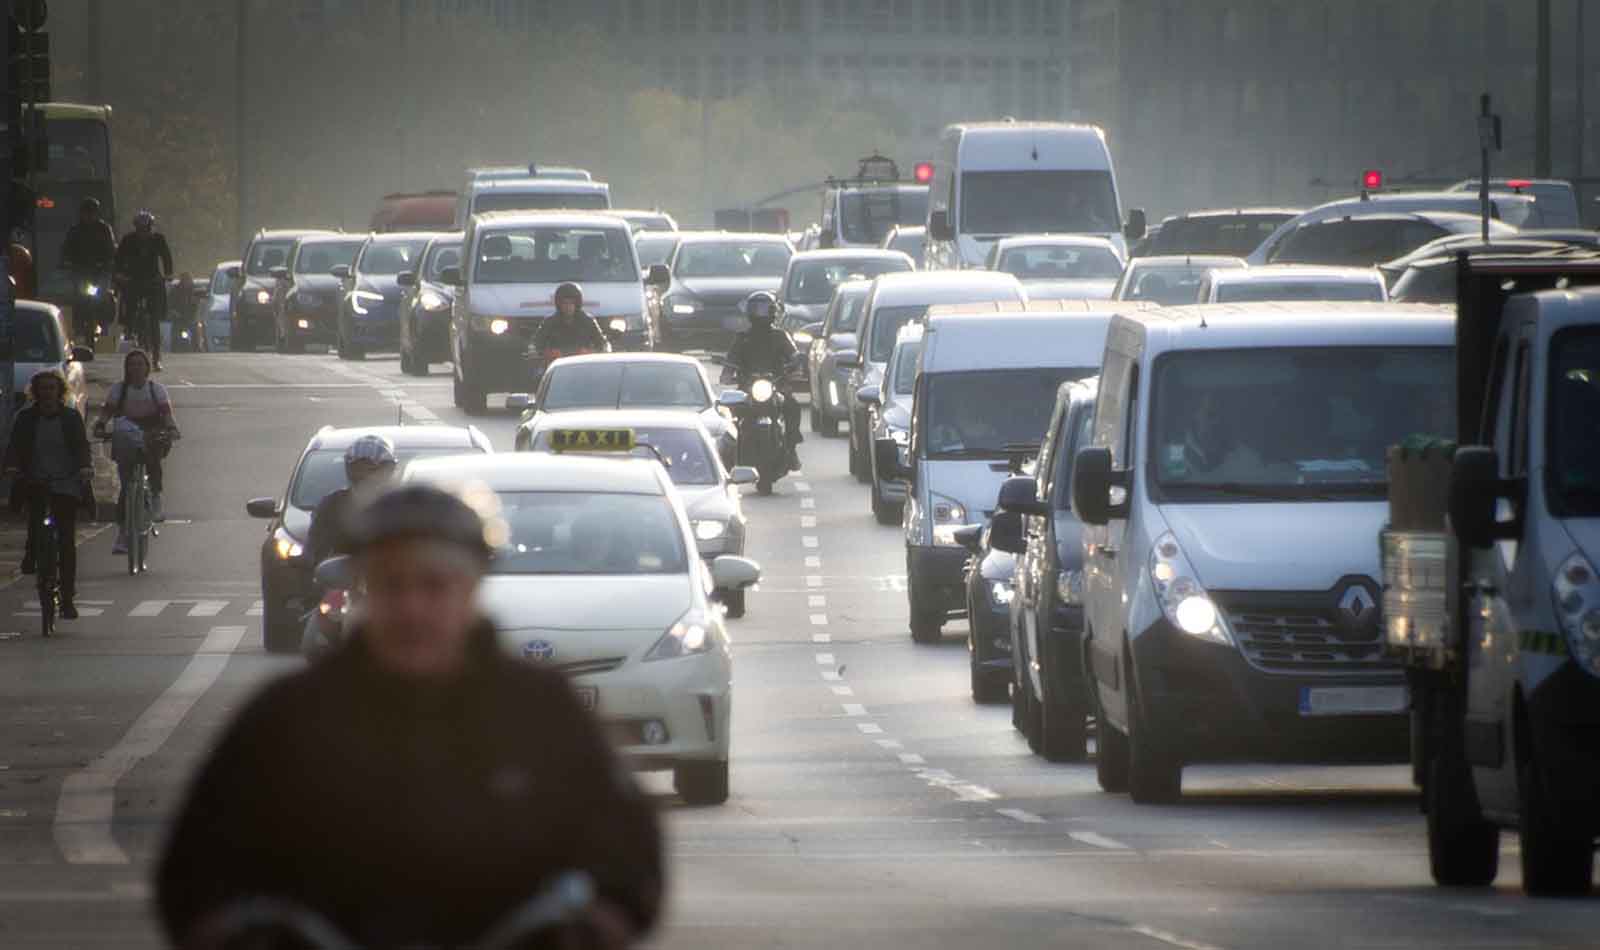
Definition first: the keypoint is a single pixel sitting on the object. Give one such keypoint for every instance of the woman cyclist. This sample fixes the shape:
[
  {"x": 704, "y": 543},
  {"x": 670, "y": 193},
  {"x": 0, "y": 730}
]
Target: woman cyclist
[
  {"x": 51, "y": 450},
  {"x": 138, "y": 402}
]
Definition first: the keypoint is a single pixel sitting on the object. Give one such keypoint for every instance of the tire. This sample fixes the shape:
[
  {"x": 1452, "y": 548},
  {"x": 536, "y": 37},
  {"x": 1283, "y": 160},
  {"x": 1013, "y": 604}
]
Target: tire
[
  {"x": 988, "y": 688},
  {"x": 824, "y": 424},
  {"x": 885, "y": 512},
  {"x": 1155, "y": 773},
  {"x": 1063, "y": 723},
  {"x": 344, "y": 351},
  {"x": 764, "y": 486},
  {"x": 1018, "y": 694},
  {"x": 1556, "y": 862},
  {"x": 1111, "y": 759},
  {"x": 280, "y": 343},
  {"x": 816, "y": 415},
  {"x": 1463, "y": 849},
  {"x": 860, "y": 461},
  {"x": 702, "y": 783},
  {"x": 469, "y": 400},
  {"x": 279, "y": 632},
  {"x": 733, "y": 601},
  {"x": 355, "y": 353},
  {"x": 134, "y": 517}
]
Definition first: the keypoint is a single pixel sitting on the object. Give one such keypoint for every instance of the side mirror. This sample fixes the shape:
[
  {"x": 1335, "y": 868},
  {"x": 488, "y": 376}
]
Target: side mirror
[
  {"x": 1005, "y": 532},
  {"x": 336, "y": 573},
  {"x": 815, "y": 329},
  {"x": 1020, "y": 494},
  {"x": 744, "y": 475},
  {"x": 732, "y": 398},
  {"x": 1092, "y": 481},
  {"x": 82, "y": 354},
  {"x": 734, "y": 573},
  {"x": 939, "y": 226},
  {"x": 970, "y": 537},
  {"x": 841, "y": 342},
  {"x": 886, "y": 453},
  {"x": 262, "y": 507},
  {"x": 279, "y": 273},
  {"x": 518, "y": 402},
  {"x": 202, "y": 291},
  {"x": 870, "y": 395},
  {"x": 341, "y": 271},
  {"x": 658, "y": 276},
  {"x": 406, "y": 278},
  {"x": 235, "y": 273},
  {"x": 451, "y": 276},
  {"x": 1137, "y": 224},
  {"x": 1475, "y": 487},
  {"x": 847, "y": 359}
]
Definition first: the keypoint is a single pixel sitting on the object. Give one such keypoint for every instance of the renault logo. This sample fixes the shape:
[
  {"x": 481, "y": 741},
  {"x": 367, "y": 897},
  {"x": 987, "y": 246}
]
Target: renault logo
[
  {"x": 1358, "y": 608},
  {"x": 539, "y": 651}
]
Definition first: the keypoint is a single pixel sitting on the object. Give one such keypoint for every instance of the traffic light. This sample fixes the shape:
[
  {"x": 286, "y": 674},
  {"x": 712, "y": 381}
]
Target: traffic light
[{"x": 27, "y": 82}]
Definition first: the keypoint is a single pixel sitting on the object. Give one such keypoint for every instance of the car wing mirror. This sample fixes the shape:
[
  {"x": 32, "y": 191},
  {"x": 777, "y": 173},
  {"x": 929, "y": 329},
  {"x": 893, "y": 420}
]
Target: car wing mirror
[
  {"x": 886, "y": 452},
  {"x": 970, "y": 537},
  {"x": 657, "y": 275},
  {"x": 732, "y": 398},
  {"x": 734, "y": 573},
  {"x": 279, "y": 273},
  {"x": 341, "y": 271},
  {"x": 451, "y": 276},
  {"x": 1093, "y": 482},
  {"x": 939, "y": 226},
  {"x": 262, "y": 507},
  {"x": 744, "y": 475},
  {"x": 870, "y": 395},
  {"x": 1137, "y": 224},
  {"x": 82, "y": 354},
  {"x": 406, "y": 278},
  {"x": 1020, "y": 494},
  {"x": 518, "y": 402},
  {"x": 848, "y": 359},
  {"x": 1005, "y": 532}
]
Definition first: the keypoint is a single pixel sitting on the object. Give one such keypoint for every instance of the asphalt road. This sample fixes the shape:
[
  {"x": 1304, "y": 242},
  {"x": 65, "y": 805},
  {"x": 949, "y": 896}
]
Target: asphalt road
[{"x": 873, "y": 804}]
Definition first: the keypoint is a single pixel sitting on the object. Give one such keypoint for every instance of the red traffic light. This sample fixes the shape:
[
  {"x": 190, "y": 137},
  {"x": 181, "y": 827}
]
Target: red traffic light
[
  {"x": 923, "y": 172},
  {"x": 1372, "y": 179}
]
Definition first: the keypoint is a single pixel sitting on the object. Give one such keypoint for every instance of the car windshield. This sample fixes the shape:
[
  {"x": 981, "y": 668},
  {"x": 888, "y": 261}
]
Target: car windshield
[
  {"x": 1264, "y": 424},
  {"x": 322, "y": 472},
  {"x": 1234, "y": 235},
  {"x": 320, "y": 258},
  {"x": 1059, "y": 262},
  {"x": 34, "y": 338},
  {"x": 866, "y": 215},
  {"x": 265, "y": 255},
  {"x": 643, "y": 221},
  {"x": 1251, "y": 290},
  {"x": 688, "y": 460},
  {"x": 221, "y": 283},
  {"x": 589, "y": 533},
  {"x": 1167, "y": 286},
  {"x": 387, "y": 258},
  {"x": 1355, "y": 243},
  {"x": 847, "y": 313},
  {"x": 442, "y": 255},
  {"x": 1574, "y": 423},
  {"x": 1061, "y": 479},
  {"x": 886, "y": 324},
  {"x": 1038, "y": 202},
  {"x": 977, "y": 414},
  {"x": 538, "y": 201},
  {"x": 905, "y": 368},
  {"x": 732, "y": 259},
  {"x": 654, "y": 250},
  {"x": 550, "y": 255},
  {"x": 812, "y": 282},
  {"x": 611, "y": 385},
  {"x": 1436, "y": 284}
]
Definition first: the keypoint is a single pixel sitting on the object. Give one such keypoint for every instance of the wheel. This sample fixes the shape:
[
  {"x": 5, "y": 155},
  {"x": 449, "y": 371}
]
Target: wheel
[
  {"x": 860, "y": 462},
  {"x": 469, "y": 400},
  {"x": 280, "y": 343},
  {"x": 702, "y": 783},
  {"x": 1018, "y": 695},
  {"x": 886, "y": 512},
  {"x": 988, "y": 688},
  {"x": 405, "y": 362},
  {"x": 927, "y": 624},
  {"x": 1556, "y": 862},
  {"x": 279, "y": 631},
  {"x": 133, "y": 523},
  {"x": 1463, "y": 849},
  {"x": 816, "y": 415},
  {"x": 733, "y": 601},
  {"x": 356, "y": 353},
  {"x": 344, "y": 351},
  {"x": 824, "y": 424},
  {"x": 1155, "y": 773},
  {"x": 1063, "y": 722},
  {"x": 1111, "y": 758},
  {"x": 763, "y": 485}
]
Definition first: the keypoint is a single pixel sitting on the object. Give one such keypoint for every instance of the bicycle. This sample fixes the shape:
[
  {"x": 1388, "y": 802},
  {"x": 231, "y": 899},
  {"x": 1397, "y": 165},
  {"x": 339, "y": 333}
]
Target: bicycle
[
  {"x": 141, "y": 324},
  {"x": 137, "y": 524},
  {"x": 46, "y": 554}
]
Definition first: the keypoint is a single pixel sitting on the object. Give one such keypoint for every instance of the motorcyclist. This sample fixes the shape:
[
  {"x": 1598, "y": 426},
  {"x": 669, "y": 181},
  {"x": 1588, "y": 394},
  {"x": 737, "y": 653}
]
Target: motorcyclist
[
  {"x": 144, "y": 262},
  {"x": 765, "y": 350},
  {"x": 367, "y": 458},
  {"x": 393, "y": 787},
  {"x": 88, "y": 253},
  {"x": 570, "y": 330}
]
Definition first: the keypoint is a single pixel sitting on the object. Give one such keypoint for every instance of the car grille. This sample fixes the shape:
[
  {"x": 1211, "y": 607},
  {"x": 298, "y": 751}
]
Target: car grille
[
  {"x": 584, "y": 667},
  {"x": 1302, "y": 638}
]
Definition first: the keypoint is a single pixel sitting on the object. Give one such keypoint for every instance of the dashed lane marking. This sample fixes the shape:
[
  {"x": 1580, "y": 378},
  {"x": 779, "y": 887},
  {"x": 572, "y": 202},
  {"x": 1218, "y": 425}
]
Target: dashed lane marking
[
  {"x": 870, "y": 728},
  {"x": 832, "y": 676},
  {"x": 822, "y": 638},
  {"x": 1170, "y": 939},
  {"x": 842, "y": 691},
  {"x": 911, "y": 758},
  {"x": 1096, "y": 840},
  {"x": 802, "y": 486},
  {"x": 808, "y": 503},
  {"x": 816, "y": 600},
  {"x": 854, "y": 709},
  {"x": 814, "y": 580},
  {"x": 808, "y": 521},
  {"x": 810, "y": 541},
  {"x": 812, "y": 561},
  {"x": 825, "y": 659},
  {"x": 889, "y": 743},
  {"x": 1018, "y": 814},
  {"x": 819, "y": 620}
]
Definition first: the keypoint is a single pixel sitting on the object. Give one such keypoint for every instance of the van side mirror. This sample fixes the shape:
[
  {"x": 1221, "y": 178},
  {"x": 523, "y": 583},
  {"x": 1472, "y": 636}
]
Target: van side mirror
[
  {"x": 1475, "y": 488},
  {"x": 82, "y": 354},
  {"x": 451, "y": 276},
  {"x": 1020, "y": 494},
  {"x": 1092, "y": 481},
  {"x": 970, "y": 537},
  {"x": 1137, "y": 224},
  {"x": 1005, "y": 532},
  {"x": 341, "y": 271},
  {"x": 734, "y": 573},
  {"x": 658, "y": 276},
  {"x": 886, "y": 452},
  {"x": 870, "y": 395},
  {"x": 939, "y": 226},
  {"x": 406, "y": 278},
  {"x": 847, "y": 359},
  {"x": 279, "y": 273}
]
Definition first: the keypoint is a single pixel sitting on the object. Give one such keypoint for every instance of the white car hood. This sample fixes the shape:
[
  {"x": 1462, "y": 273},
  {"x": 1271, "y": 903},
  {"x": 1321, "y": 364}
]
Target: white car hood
[
  {"x": 1289, "y": 546},
  {"x": 1069, "y": 289},
  {"x": 584, "y": 617},
  {"x": 538, "y": 300}
]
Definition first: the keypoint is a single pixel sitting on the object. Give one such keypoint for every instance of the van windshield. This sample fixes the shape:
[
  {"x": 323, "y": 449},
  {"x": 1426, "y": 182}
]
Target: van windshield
[
  {"x": 886, "y": 324},
  {"x": 1038, "y": 202},
  {"x": 867, "y": 215},
  {"x": 1574, "y": 434},
  {"x": 813, "y": 281},
  {"x": 977, "y": 414},
  {"x": 1292, "y": 423},
  {"x": 539, "y": 201},
  {"x": 1253, "y": 290},
  {"x": 847, "y": 313},
  {"x": 533, "y": 255}
]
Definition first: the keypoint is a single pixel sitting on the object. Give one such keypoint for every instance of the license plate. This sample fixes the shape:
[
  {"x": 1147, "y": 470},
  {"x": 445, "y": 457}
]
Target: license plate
[
  {"x": 588, "y": 697},
  {"x": 1352, "y": 700}
]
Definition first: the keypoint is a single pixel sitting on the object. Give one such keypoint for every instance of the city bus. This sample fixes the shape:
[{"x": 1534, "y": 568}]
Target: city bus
[{"x": 79, "y": 140}]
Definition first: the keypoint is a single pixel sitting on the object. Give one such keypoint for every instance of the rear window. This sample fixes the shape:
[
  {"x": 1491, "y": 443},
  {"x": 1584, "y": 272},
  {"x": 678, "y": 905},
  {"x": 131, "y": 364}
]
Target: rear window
[
  {"x": 1234, "y": 235},
  {"x": 538, "y": 201},
  {"x": 320, "y": 258},
  {"x": 684, "y": 451},
  {"x": 620, "y": 385},
  {"x": 1257, "y": 290},
  {"x": 1355, "y": 243}
]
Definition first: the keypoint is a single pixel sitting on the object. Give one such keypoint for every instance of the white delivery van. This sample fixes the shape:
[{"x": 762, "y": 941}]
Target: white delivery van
[{"x": 529, "y": 194}]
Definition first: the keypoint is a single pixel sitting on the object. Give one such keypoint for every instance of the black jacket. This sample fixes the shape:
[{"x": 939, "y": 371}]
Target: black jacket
[
  {"x": 410, "y": 812},
  {"x": 569, "y": 335},
  {"x": 327, "y": 535},
  {"x": 89, "y": 249},
  {"x": 25, "y": 426},
  {"x": 144, "y": 258},
  {"x": 768, "y": 351}
]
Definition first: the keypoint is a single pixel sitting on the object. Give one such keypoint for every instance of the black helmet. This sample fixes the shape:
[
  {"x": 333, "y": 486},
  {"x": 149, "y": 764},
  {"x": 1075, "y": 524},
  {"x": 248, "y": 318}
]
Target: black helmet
[
  {"x": 418, "y": 511},
  {"x": 761, "y": 307},
  {"x": 90, "y": 204},
  {"x": 144, "y": 220},
  {"x": 570, "y": 291}
]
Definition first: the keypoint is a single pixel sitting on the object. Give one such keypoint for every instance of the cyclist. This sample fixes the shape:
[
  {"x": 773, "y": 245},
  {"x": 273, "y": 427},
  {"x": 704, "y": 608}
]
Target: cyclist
[
  {"x": 370, "y": 457},
  {"x": 139, "y": 402},
  {"x": 418, "y": 782},
  {"x": 570, "y": 330},
  {"x": 144, "y": 262},
  {"x": 50, "y": 449},
  {"x": 88, "y": 253},
  {"x": 766, "y": 350}
]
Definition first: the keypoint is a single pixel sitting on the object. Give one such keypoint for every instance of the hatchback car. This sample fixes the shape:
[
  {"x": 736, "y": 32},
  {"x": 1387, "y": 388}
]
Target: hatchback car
[
  {"x": 831, "y": 399},
  {"x": 369, "y": 314},
  {"x": 217, "y": 309},
  {"x": 425, "y": 301},
  {"x": 710, "y": 275},
  {"x": 1059, "y": 267},
  {"x": 307, "y": 295},
  {"x": 39, "y": 342},
  {"x": 1168, "y": 281},
  {"x": 253, "y": 313}
]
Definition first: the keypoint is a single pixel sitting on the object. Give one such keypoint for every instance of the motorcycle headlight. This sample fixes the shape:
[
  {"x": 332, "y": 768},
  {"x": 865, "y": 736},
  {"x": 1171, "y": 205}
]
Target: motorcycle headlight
[
  {"x": 691, "y": 635},
  {"x": 285, "y": 546},
  {"x": 361, "y": 301},
  {"x": 710, "y": 530},
  {"x": 91, "y": 290},
  {"x": 1182, "y": 598},
  {"x": 263, "y": 297},
  {"x": 497, "y": 326},
  {"x": 617, "y": 324},
  {"x": 432, "y": 300},
  {"x": 1577, "y": 595},
  {"x": 761, "y": 390},
  {"x": 303, "y": 324},
  {"x": 1069, "y": 587}
]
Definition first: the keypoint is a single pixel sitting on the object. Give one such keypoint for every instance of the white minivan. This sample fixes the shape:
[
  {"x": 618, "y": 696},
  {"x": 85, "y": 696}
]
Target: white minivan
[
  {"x": 996, "y": 179},
  {"x": 487, "y": 194}
]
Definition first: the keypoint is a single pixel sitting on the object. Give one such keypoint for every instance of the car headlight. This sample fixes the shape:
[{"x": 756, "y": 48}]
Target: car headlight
[
  {"x": 1001, "y": 593},
  {"x": 802, "y": 338},
  {"x": 681, "y": 308},
  {"x": 710, "y": 530},
  {"x": 1182, "y": 598},
  {"x": 285, "y": 546},
  {"x": 263, "y": 297},
  {"x": 762, "y": 390},
  {"x": 361, "y": 300},
  {"x": 689, "y": 636},
  {"x": 303, "y": 324},
  {"x": 496, "y": 326},
  {"x": 617, "y": 324},
  {"x": 1577, "y": 595},
  {"x": 91, "y": 290},
  {"x": 1069, "y": 587},
  {"x": 899, "y": 436},
  {"x": 948, "y": 516},
  {"x": 432, "y": 300}
]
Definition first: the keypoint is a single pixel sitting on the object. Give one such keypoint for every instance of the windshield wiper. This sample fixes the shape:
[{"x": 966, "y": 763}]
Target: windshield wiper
[
  {"x": 972, "y": 453},
  {"x": 1324, "y": 492}
]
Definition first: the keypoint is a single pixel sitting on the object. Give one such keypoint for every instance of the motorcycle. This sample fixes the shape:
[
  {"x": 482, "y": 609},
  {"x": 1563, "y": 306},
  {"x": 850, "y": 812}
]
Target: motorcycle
[
  {"x": 763, "y": 436},
  {"x": 94, "y": 308}
]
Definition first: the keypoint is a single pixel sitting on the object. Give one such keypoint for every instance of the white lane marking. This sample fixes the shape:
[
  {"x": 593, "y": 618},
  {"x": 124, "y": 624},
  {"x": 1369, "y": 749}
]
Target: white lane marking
[
  {"x": 86, "y": 608},
  {"x": 832, "y": 676},
  {"x": 889, "y": 743},
  {"x": 802, "y": 486},
  {"x": 825, "y": 659},
  {"x": 842, "y": 691},
  {"x": 87, "y": 803},
  {"x": 814, "y": 580},
  {"x": 808, "y": 521},
  {"x": 819, "y": 620},
  {"x": 808, "y": 503},
  {"x": 895, "y": 583},
  {"x": 911, "y": 758},
  {"x": 813, "y": 561},
  {"x": 1096, "y": 840},
  {"x": 870, "y": 728},
  {"x": 964, "y": 791},
  {"x": 810, "y": 541},
  {"x": 207, "y": 608},
  {"x": 822, "y": 638},
  {"x": 816, "y": 600},
  {"x": 854, "y": 709},
  {"x": 149, "y": 608},
  {"x": 1170, "y": 939},
  {"x": 1018, "y": 814},
  {"x": 255, "y": 610}
]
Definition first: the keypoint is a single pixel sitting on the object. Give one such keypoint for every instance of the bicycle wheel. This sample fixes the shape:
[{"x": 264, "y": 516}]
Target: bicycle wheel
[
  {"x": 47, "y": 559},
  {"x": 133, "y": 517}
]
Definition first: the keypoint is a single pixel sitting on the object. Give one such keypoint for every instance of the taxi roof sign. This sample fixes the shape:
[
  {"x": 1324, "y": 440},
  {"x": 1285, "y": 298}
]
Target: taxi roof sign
[{"x": 591, "y": 440}]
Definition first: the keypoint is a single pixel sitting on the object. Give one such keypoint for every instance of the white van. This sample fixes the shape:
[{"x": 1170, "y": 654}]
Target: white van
[
  {"x": 486, "y": 194},
  {"x": 995, "y": 179}
]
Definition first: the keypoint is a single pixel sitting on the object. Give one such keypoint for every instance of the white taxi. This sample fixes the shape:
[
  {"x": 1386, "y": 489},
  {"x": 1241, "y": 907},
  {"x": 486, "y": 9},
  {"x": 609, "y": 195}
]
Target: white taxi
[{"x": 597, "y": 576}]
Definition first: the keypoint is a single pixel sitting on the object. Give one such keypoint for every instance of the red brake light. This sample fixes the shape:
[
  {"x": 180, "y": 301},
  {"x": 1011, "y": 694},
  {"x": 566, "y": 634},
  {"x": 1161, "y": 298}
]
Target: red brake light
[
  {"x": 1517, "y": 184},
  {"x": 44, "y": 201},
  {"x": 1372, "y": 179},
  {"x": 923, "y": 172}
]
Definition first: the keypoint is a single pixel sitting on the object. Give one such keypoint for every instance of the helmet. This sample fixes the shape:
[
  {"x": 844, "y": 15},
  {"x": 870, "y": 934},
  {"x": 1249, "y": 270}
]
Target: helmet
[
  {"x": 761, "y": 307},
  {"x": 370, "y": 448},
  {"x": 90, "y": 205},
  {"x": 570, "y": 291},
  {"x": 418, "y": 511},
  {"x": 143, "y": 220}
]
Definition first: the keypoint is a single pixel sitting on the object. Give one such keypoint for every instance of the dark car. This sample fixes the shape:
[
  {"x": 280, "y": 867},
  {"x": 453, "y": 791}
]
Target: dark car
[
  {"x": 1366, "y": 240},
  {"x": 831, "y": 397},
  {"x": 369, "y": 313},
  {"x": 711, "y": 275},
  {"x": 425, "y": 301},
  {"x": 654, "y": 247},
  {"x": 286, "y": 588},
  {"x": 255, "y": 289},
  {"x": 306, "y": 301},
  {"x": 1230, "y": 233},
  {"x": 989, "y": 574},
  {"x": 1049, "y": 696}
]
